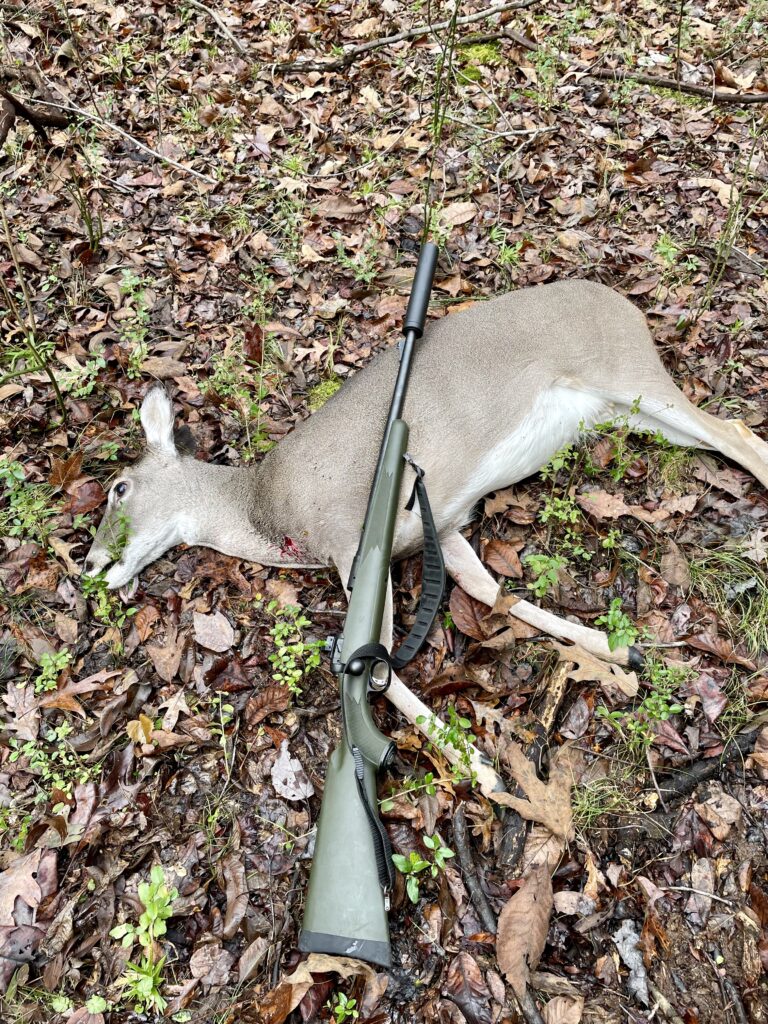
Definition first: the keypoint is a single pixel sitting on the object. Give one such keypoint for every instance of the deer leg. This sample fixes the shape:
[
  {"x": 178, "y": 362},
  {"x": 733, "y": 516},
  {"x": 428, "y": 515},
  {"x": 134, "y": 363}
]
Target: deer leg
[
  {"x": 470, "y": 760},
  {"x": 471, "y": 575}
]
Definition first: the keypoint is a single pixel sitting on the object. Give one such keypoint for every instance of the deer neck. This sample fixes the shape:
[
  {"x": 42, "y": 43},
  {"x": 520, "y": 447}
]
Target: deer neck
[{"x": 222, "y": 512}]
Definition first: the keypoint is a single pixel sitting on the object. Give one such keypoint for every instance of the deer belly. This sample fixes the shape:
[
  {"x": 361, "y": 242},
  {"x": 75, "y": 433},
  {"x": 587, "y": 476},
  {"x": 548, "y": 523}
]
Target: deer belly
[{"x": 555, "y": 418}]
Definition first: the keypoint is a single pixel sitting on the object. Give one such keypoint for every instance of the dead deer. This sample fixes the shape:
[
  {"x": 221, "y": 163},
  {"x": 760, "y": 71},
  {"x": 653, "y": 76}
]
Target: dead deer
[{"x": 495, "y": 392}]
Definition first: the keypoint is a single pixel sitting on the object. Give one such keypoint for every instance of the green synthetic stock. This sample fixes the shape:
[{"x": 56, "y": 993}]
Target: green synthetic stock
[{"x": 347, "y": 900}]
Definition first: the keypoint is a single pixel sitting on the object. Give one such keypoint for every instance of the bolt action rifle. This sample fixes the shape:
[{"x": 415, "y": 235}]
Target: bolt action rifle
[{"x": 352, "y": 870}]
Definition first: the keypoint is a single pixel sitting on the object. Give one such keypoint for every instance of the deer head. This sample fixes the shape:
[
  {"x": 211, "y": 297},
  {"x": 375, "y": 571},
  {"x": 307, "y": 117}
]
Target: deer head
[{"x": 150, "y": 504}]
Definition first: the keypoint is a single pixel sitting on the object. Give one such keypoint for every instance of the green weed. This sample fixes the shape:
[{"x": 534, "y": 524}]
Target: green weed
[
  {"x": 342, "y": 1009},
  {"x": 29, "y": 508},
  {"x": 545, "y": 569},
  {"x": 414, "y": 864},
  {"x": 457, "y": 733},
  {"x": 51, "y": 667},
  {"x": 293, "y": 658},
  {"x": 141, "y": 982},
  {"x": 737, "y": 589},
  {"x": 622, "y": 632}
]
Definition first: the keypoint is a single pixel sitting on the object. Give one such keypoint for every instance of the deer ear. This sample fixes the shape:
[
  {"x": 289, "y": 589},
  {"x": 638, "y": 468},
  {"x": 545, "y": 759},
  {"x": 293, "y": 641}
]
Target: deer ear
[{"x": 157, "y": 420}]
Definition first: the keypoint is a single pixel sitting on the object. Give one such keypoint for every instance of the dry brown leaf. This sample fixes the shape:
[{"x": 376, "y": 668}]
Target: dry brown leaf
[
  {"x": 24, "y": 706},
  {"x": 603, "y": 505},
  {"x": 457, "y": 213},
  {"x": 674, "y": 567},
  {"x": 503, "y": 558},
  {"x": 468, "y": 614},
  {"x": 588, "y": 668},
  {"x": 237, "y": 894},
  {"x": 523, "y": 927},
  {"x": 547, "y": 802},
  {"x": 140, "y": 729},
  {"x": 564, "y": 1010},
  {"x": 214, "y": 632},
  {"x": 145, "y": 620},
  {"x": 167, "y": 659}
]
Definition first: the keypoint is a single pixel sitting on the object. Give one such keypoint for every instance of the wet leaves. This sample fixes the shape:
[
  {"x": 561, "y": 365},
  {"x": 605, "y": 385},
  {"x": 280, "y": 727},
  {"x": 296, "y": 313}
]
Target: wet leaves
[{"x": 523, "y": 927}]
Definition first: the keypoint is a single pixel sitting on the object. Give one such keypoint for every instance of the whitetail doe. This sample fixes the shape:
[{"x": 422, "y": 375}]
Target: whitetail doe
[{"x": 495, "y": 391}]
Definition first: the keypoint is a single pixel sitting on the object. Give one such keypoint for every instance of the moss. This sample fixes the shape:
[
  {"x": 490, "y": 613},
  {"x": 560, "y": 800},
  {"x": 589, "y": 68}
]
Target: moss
[
  {"x": 320, "y": 393},
  {"x": 482, "y": 53}
]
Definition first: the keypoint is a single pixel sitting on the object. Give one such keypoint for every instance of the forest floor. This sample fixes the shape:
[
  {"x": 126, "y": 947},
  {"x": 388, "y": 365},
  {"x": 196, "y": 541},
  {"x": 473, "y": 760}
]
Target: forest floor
[{"x": 202, "y": 212}]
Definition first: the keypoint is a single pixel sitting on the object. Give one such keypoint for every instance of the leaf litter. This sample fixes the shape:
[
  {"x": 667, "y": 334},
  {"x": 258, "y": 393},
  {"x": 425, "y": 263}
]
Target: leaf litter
[{"x": 252, "y": 291}]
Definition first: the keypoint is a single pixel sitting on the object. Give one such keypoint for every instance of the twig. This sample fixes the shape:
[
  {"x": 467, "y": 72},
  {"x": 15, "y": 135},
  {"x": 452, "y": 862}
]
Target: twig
[
  {"x": 220, "y": 25},
  {"x": 653, "y": 778},
  {"x": 678, "y": 41},
  {"x": 698, "y": 892},
  {"x": 411, "y": 33},
  {"x": 469, "y": 870},
  {"x": 131, "y": 138},
  {"x": 664, "y": 1004},
  {"x": 619, "y": 75}
]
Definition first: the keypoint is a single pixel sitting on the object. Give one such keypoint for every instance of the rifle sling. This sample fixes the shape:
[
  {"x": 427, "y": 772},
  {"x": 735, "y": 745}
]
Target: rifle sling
[
  {"x": 432, "y": 574},
  {"x": 381, "y": 844}
]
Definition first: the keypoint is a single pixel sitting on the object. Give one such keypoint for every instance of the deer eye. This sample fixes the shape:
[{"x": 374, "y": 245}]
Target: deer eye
[{"x": 119, "y": 489}]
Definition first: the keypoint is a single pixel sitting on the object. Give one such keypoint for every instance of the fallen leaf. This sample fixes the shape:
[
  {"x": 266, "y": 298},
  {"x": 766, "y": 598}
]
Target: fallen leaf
[
  {"x": 233, "y": 870},
  {"x": 674, "y": 567},
  {"x": 546, "y": 802},
  {"x": 140, "y": 729},
  {"x": 64, "y": 472},
  {"x": 144, "y": 621},
  {"x": 457, "y": 213},
  {"x": 338, "y": 207},
  {"x": 603, "y": 505},
  {"x": 272, "y": 699},
  {"x": 588, "y": 668},
  {"x": 167, "y": 658},
  {"x": 720, "y": 812},
  {"x": 214, "y": 632},
  {"x": 174, "y": 706},
  {"x": 283, "y": 591},
  {"x": 468, "y": 614},
  {"x": 24, "y": 706},
  {"x": 503, "y": 558},
  {"x": 289, "y": 778},
  {"x": 211, "y": 964},
  {"x": 465, "y": 986},
  {"x": 523, "y": 927},
  {"x": 251, "y": 958},
  {"x": 699, "y": 903},
  {"x": 564, "y": 1010}
]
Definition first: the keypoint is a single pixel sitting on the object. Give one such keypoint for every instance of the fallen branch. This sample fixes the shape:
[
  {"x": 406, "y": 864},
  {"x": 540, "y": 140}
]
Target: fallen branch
[
  {"x": 411, "y": 33},
  {"x": 544, "y": 715},
  {"x": 713, "y": 95},
  {"x": 469, "y": 871},
  {"x": 623, "y": 74}
]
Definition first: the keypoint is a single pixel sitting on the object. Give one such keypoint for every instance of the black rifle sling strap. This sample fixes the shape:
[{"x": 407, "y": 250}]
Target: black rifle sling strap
[
  {"x": 381, "y": 844},
  {"x": 432, "y": 574}
]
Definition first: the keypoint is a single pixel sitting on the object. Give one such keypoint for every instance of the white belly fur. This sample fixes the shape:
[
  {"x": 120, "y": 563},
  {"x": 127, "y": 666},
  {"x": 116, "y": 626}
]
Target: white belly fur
[{"x": 555, "y": 418}]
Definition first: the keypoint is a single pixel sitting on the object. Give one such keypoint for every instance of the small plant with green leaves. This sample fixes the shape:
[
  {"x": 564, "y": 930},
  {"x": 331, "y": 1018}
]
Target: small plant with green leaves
[
  {"x": 636, "y": 728},
  {"x": 107, "y": 606},
  {"x": 362, "y": 265},
  {"x": 51, "y": 667},
  {"x": 456, "y": 732},
  {"x": 52, "y": 758},
  {"x": 15, "y": 826},
  {"x": 141, "y": 982},
  {"x": 29, "y": 508},
  {"x": 134, "y": 327},
  {"x": 622, "y": 632},
  {"x": 294, "y": 657},
  {"x": 414, "y": 864},
  {"x": 546, "y": 571},
  {"x": 342, "y": 1008},
  {"x": 409, "y": 787}
]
